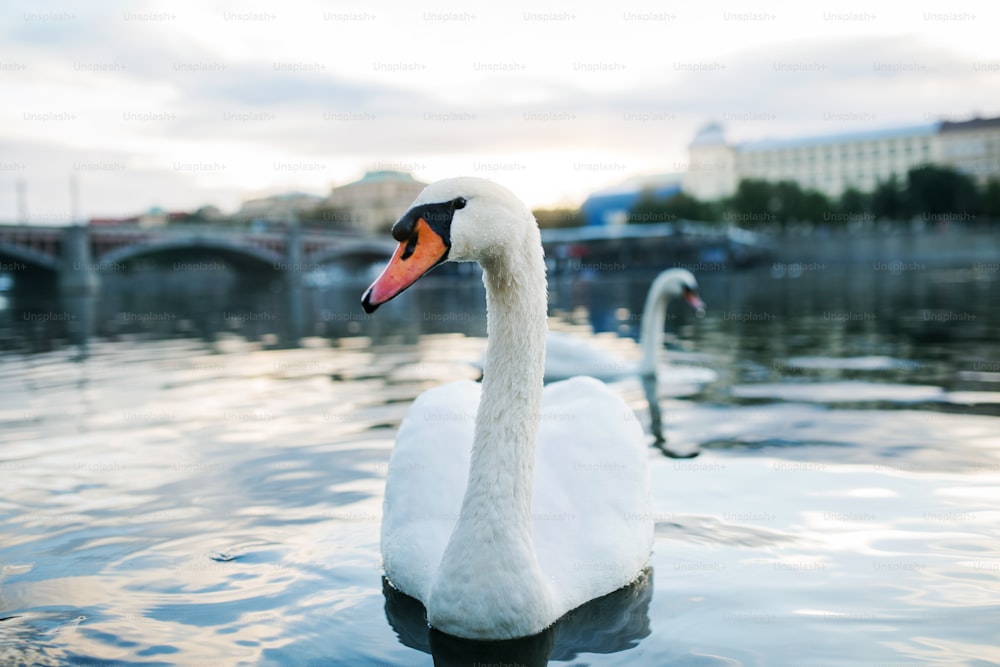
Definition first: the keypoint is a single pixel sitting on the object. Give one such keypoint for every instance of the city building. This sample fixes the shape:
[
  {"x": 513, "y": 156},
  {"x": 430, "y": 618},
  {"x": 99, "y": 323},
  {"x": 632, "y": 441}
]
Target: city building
[
  {"x": 711, "y": 172},
  {"x": 833, "y": 163},
  {"x": 972, "y": 147},
  {"x": 373, "y": 203},
  {"x": 278, "y": 207}
]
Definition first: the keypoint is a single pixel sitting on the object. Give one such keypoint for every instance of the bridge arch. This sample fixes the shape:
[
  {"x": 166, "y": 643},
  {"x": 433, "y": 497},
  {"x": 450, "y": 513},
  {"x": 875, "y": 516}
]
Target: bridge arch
[
  {"x": 370, "y": 251},
  {"x": 226, "y": 247},
  {"x": 17, "y": 253}
]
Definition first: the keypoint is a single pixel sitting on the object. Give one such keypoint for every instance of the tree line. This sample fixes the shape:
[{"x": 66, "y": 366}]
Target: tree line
[{"x": 930, "y": 193}]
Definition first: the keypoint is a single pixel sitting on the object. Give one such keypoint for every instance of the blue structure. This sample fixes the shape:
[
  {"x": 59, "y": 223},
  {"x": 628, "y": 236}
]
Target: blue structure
[{"x": 611, "y": 206}]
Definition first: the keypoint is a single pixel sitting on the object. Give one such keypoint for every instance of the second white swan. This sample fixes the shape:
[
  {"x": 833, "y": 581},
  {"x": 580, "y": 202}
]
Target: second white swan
[{"x": 567, "y": 355}]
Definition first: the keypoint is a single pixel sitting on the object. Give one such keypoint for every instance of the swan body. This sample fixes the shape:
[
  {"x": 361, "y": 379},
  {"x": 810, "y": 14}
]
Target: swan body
[{"x": 506, "y": 506}]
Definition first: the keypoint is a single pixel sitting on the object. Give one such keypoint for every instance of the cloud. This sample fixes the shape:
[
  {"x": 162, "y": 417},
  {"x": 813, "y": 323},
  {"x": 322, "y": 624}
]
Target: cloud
[
  {"x": 206, "y": 108},
  {"x": 109, "y": 183}
]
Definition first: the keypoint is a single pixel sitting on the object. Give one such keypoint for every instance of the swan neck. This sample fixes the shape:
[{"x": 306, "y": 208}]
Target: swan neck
[
  {"x": 491, "y": 543},
  {"x": 654, "y": 313},
  {"x": 503, "y": 450}
]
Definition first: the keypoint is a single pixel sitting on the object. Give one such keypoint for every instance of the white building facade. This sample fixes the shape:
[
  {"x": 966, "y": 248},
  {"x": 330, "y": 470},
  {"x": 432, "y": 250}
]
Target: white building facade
[
  {"x": 972, "y": 147},
  {"x": 834, "y": 163}
]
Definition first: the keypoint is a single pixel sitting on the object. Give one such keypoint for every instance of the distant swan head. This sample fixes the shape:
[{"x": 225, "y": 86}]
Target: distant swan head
[
  {"x": 674, "y": 283},
  {"x": 462, "y": 219}
]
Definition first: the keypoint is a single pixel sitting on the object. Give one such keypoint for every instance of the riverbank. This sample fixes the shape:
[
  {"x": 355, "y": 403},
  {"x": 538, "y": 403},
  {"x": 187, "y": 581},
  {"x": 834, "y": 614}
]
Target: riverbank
[{"x": 894, "y": 251}]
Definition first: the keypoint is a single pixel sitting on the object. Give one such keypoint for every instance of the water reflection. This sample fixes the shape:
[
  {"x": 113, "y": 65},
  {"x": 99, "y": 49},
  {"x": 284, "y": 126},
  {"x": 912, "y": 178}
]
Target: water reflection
[
  {"x": 650, "y": 387},
  {"x": 183, "y": 499},
  {"x": 754, "y": 314},
  {"x": 610, "y": 624}
]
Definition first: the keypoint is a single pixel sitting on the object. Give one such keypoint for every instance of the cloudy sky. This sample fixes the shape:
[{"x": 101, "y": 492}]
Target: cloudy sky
[{"x": 180, "y": 104}]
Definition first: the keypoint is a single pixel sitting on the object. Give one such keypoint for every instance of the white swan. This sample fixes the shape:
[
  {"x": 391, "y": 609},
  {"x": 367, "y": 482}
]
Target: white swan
[
  {"x": 567, "y": 355},
  {"x": 506, "y": 506}
]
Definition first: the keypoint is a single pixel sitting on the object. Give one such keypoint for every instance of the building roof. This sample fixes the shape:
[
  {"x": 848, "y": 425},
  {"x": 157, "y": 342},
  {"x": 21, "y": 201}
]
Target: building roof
[
  {"x": 712, "y": 134},
  {"x": 974, "y": 124},
  {"x": 286, "y": 196},
  {"x": 842, "y": 138},
  {"x": 386, "y": 175}
]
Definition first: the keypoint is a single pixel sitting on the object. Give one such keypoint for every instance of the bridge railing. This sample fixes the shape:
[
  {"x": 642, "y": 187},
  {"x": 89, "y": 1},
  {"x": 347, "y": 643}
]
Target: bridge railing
[
  {"x": 275, "y": 231},
  {"x": 31, "y": 229}
]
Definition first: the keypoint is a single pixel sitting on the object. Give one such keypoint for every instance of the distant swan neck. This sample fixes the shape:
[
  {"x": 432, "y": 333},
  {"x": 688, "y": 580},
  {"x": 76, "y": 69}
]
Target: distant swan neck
[{"x": 651, "y": 333}]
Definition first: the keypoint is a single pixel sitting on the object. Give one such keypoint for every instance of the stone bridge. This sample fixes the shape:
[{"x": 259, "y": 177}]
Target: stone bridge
[
  {"x": 58, "y": 248},
  {"x": 78, "y": 255}
]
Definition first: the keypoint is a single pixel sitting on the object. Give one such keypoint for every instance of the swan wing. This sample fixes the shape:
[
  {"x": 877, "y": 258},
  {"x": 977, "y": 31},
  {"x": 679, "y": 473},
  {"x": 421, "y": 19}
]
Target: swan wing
[
  {"x": 427, "y": 475},
  {"x": 592, "y": 525}
]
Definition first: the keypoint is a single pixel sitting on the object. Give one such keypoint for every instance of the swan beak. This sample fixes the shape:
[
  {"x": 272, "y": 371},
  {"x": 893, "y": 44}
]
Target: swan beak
[
  {"x": 421, "y": 252},
  {"x": 694, "y": 301}
]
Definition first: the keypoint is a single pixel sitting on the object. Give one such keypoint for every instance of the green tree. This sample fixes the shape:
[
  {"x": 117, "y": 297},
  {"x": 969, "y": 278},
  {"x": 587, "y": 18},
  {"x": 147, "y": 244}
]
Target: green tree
[
  {"x": 814, "y": 206},
  {"x": 790, "y": 203},
  {"x": 712, "y": 210},
  {"x": 934, "y": 191},
  {"x": 751, "y": 203},
  {"x": 685, "y": 207},
  {"x": 888, "y": 201},
  {"x": 989, "y": 200},
  {"x": 786, "y": 201},
  {"x": 853, "y": 202},
  {"x": 680, "y": 206},
  {"x": 550, "y": 218},
  {"x": 651, "y": 209}
]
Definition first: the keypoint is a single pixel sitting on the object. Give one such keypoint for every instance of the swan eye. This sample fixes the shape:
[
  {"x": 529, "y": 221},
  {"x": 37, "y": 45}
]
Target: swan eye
[{"x": 458, "y": 203}]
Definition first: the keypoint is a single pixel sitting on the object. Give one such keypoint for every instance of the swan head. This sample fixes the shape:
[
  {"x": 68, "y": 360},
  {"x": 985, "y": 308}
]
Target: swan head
[
  {"x": 678, "y": 283},
  {"x": 461, "y": 219}
]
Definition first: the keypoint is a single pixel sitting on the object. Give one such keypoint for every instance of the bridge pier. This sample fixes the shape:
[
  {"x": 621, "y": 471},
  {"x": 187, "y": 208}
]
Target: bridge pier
[
  {"x": 78, "y": 285},
  {"x": 294, "y": 288}
]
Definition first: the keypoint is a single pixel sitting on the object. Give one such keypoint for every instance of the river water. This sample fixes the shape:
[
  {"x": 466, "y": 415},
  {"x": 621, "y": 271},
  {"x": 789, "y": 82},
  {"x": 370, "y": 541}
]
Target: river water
[{"x": 176, "y": 498}]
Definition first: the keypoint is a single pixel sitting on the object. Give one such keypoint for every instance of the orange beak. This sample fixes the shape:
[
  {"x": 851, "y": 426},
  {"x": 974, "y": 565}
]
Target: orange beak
[
  {"x": 694, "y": 301},
  {"x": 414, "y": 257}
]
